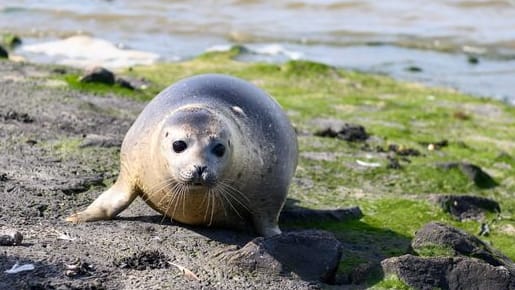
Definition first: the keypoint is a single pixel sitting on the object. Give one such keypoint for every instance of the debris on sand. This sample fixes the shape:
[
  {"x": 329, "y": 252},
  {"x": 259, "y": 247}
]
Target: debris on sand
[
  {"x": 368, "y": 164},
  {"x": 16, "y": 268},
  {"x": 187, "y": 273}
]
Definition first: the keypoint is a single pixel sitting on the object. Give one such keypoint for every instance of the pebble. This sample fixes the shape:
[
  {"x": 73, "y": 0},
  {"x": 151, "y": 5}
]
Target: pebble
[{"x": 11, "y": 238}]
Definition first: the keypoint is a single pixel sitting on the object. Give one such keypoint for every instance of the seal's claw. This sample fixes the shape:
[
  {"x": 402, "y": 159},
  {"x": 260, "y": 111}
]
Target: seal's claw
[{"x": 74, "y": 218}]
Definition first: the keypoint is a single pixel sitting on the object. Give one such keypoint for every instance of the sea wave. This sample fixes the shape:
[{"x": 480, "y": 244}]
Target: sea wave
[{"x": 84, "y": 51}]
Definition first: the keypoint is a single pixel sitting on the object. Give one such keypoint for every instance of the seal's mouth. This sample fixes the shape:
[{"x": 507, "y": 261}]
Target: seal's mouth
[{"x": 199, "y": 184}]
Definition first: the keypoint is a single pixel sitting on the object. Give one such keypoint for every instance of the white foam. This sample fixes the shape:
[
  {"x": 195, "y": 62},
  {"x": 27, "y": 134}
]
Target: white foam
[
  {"x": 219, "y": 48},
  {"x": 262, "y": 49},
  {"x": 277, "y": 49},
  {"x": 85, "y": 51}
]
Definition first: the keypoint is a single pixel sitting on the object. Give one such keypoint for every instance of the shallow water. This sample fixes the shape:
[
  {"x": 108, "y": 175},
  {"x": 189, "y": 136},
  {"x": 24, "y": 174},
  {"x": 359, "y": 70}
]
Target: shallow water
[{"x": 379, "y": 36}]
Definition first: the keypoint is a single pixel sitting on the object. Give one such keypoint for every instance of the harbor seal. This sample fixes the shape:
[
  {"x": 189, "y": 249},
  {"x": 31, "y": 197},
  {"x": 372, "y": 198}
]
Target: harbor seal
[{"x": 210, "y": 150}]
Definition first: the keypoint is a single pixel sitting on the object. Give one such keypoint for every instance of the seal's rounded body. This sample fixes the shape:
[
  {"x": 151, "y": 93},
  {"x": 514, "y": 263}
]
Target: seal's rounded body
[{"x": 208, "y": 150}]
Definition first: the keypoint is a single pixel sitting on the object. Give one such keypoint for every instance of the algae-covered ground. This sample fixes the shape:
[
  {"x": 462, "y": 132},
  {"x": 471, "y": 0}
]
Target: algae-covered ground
[
  {"x": 395, "y": 201},
  {"x": 394, "y": 176}
]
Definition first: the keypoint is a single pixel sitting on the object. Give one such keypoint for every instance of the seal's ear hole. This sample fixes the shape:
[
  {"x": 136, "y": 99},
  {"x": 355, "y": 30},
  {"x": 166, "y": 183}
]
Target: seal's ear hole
[
  {"x": 219, "y": 150},
  {"x": 229, "y": 143},
  {"x": 179, "y": 146},
  {"x": 166, "y": 134}
]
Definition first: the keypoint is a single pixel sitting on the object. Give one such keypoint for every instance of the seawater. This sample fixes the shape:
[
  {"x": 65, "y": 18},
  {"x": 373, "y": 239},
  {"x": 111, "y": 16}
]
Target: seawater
[{"x": 438, "y": 37}]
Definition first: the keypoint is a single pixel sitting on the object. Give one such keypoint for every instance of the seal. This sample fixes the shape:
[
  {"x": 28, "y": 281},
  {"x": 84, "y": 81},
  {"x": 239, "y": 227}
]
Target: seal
[{"x": 210, "y": 150}]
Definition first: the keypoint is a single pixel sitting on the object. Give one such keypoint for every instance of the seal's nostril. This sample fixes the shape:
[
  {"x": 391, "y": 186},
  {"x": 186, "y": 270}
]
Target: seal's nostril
[{"x": 200, "y": 169}]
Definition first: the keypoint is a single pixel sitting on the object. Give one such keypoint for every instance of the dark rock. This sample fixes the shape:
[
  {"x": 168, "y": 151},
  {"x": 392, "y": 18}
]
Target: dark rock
[
  {"x": 448, "y": 273},
  {"x": 31, "y": 142},
  {"x": 476, "y": 174},
  {"x": 468, "y": 207},
  {"x": 98, "y": 75},
  {"x": 347, "y": 132},
  {"x": 93, "y": 140},
  {"x": 312, "y": 255},
  {"x": 414, "y": 69},
  {"x": 473, "y": 172},
  {"x": 461, "y": 243},
  {"x": 3, "y": 52},
  {"x": 144, "y": 260},
  {"x": 305, "y": 214},
  {"x": 124, "y": 83},
  {"x": 11, "y": 238},
  {"x": 133, "y": 83},
  {"x": 473, "y": 59}
]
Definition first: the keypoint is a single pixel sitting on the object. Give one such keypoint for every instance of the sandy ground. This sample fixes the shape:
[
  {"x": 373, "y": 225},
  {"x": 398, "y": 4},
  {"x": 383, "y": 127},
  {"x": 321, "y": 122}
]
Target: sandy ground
[{"x": 44, "y": 177}]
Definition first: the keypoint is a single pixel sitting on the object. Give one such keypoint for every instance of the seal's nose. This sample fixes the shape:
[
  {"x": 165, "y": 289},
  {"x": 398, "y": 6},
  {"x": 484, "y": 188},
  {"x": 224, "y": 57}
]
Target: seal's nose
[{"x": 200, "y": 169}]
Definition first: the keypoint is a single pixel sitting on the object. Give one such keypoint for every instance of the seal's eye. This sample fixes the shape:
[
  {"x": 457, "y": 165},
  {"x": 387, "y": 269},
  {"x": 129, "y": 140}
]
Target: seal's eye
[
  {"x": 179, "y": 146},
  {"x": 219, "y": 150}
]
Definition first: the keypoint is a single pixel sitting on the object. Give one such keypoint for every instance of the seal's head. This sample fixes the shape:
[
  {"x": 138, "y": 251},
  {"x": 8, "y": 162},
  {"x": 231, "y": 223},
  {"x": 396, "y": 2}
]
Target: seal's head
[{"x": 196, "y": 147}]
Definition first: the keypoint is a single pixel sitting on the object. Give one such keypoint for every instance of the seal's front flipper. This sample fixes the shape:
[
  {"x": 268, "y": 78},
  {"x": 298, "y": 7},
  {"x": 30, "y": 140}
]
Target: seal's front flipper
[
  {"x": 266, "y": 226},
  {"x": 110, "y": 203}
]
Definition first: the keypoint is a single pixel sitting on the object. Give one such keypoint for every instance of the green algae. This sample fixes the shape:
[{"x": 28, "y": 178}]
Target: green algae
[
  {"x": 395, "y": 202},
  {"x": 434, "y": 250},
  {"x": 392, "y": 282}
]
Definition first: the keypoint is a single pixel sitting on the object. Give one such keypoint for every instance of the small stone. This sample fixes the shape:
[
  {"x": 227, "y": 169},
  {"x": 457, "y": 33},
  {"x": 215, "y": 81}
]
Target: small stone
[
  {"x": 477, "y": 175},
  {"x": 124, "y": 83},
  {"x": 473, "y": 59},
  {"x": 473, "y": 172},
  {"x": 11, "y": 238},
  {"x": 31, "y": 142},
  {"x": 3, "y": 53},
  {"x": 465, "y": 207},
  {"x": 78, "y": 268},
  {"x": 98, "y": 75},
  {"x": 414, "y": 69}
]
